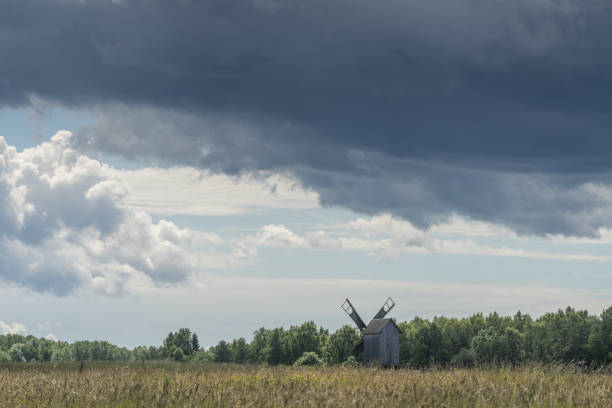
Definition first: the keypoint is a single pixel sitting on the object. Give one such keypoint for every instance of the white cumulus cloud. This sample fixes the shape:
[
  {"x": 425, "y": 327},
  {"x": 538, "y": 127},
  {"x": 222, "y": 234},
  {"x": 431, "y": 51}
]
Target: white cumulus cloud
[
  {"x": 384, "y": 235},
  {"x": 64, "y": 225},
  {"x": 15, "y": 328}
]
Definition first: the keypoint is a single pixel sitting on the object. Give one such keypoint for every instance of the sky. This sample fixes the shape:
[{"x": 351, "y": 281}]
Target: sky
[{"x": 224, "y": 165}]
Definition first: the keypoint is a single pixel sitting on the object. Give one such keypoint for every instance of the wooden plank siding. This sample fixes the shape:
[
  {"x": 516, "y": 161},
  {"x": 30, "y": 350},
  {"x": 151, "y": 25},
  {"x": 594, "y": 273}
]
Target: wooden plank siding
[{"x": 383, "y": 347}]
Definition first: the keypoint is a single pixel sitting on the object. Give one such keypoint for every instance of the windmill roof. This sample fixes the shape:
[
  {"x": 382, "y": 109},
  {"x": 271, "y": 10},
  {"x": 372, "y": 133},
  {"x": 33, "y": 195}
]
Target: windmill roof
[{"x": 377, "y": 325}]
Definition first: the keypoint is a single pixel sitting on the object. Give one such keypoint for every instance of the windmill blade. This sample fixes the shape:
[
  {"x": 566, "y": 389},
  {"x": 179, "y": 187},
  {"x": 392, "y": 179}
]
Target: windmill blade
[
  {"x": 350, "y": 310},
  {"x": 356, "y": 348},
  {"x": 385, "y": 308}
]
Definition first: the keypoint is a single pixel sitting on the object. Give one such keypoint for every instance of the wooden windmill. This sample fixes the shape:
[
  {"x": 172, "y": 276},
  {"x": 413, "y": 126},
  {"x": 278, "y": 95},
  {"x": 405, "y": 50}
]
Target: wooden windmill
[{"x": 380, "y": 338}]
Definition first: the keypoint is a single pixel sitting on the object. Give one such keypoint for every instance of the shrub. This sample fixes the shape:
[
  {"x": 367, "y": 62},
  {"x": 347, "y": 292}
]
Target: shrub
[
  {"x": 486, "y": 345},
  {"x": 464, "y": 358},
  {"x": 203, "y": 356},
  {"x": 177, "y": 354},
  {"x": 15, "y": 353},
  {"x": 61, "y": 354},
  {"x": 309, "y": 358},
  {"x": 351, "y": 361}
]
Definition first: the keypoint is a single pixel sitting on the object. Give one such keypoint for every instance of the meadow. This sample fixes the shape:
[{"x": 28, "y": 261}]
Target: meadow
[{"x": 169, "y": 384}]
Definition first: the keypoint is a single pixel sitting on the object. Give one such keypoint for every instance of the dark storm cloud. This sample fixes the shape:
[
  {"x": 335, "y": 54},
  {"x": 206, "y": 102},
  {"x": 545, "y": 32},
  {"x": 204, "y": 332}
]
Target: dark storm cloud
[{"x": 499, "y": 110}]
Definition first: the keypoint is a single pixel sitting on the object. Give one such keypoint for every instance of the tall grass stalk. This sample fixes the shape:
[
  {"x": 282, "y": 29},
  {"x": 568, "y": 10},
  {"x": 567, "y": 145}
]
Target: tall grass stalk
[{"x": 166, "y": 384}]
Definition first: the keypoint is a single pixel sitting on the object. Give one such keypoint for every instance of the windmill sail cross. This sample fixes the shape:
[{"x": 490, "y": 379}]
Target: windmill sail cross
[
  {"x": 350, "y": 310},
  {"x": 385, "y": 308},
  {"x": 379, "y": 340}
]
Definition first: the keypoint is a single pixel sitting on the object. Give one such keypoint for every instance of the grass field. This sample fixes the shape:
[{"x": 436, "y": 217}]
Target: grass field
[{"x": 184, "y": 385}]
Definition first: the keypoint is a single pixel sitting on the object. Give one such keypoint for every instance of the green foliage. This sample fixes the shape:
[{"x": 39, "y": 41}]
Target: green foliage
[
  {"x": 511, "y": 345},
  {"x": 195, "y": 343},
  {"x": 97, "y": 351},
  {"x": 308, "y": 359},
  {"x": 203, "y": 356},
  {"x": 301, "y": 339},
  {"x": 16, "y": 353},
  {"x": 240, "y": 350},
  {"x": 147, "y": 353},
  {"x": 256, "y": 353},
  {"x": 339, "y": 344},
  {"x": 491, "y": 346},
  {"x": 182, "y": 339},
  {"x": 39, "y": 349},
  {"x": 600, "y": 338},
  {"x": 222, "y": 352},
  {"x": 274, "y": 351},
  {"x": 351, "y": 361},
  {"x": 486, "y": 345},
  {"x": 61, "y": 354},
  {"x": 464, "y": 358},
  {"x": 564, "y": 336},
  {"x": 422, "y": 343},
  {"x": 177, "y": 354}
]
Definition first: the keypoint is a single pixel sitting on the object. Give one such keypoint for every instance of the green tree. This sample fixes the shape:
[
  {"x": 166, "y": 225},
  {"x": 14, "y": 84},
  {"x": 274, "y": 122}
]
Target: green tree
[
  {"x": 195, "y": 343},
  {"x": 456, "y": 335},
  {"x": 181, "y": 339},
  {"x": 339, "y": 344},
  {"x": 274, "y": 351},
  {"x": 259, "y": 346},
  {"x": 566, "y": 334},
  {"x": 486, "y": 345},
  {"x": 222, "y": 352},
  {"x": 15, "y": 353},
  {"x": 421, "y": 343},
  {"x": 600, "y": 339},
  {"x": 61, "y": 352},
  {"x": 240, "y": 350},
  {"x": 4, "y": 356},
  {"x": 521, "y": 322},
  {"x": 140, "y": 353},
  {"x": 81, "y": 350},
  {"x": 464, "y": 358},
  {"x": 177, "y": 354},
  {"x": 203, "y": 356},
  {"x": 301, "y": 339},
  {"x": 511, "y": 345},
  {"x": 477, "y": 323},
  {"x": 30, "y": 348},
  {"x": 438, "y": 354},
  {"x": 44, "y": 350}
]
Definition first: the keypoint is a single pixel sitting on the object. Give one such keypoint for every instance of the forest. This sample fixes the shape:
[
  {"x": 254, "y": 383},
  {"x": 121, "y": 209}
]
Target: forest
[{"x": 563, "y": 336}]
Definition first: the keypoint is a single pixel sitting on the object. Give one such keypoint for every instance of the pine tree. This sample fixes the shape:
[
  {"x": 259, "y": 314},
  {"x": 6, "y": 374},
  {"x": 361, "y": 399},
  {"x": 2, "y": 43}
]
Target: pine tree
[{"x": 195, "y": 343}]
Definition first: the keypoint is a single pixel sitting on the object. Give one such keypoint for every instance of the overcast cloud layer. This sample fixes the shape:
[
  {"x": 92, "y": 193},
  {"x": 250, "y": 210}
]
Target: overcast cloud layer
[
  {"x": 495, "y": 110},
  {"x": 69, "y": 223}
]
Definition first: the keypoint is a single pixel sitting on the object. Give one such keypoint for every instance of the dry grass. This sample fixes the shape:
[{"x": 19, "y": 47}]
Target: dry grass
[{"x": 176, "y": 385}]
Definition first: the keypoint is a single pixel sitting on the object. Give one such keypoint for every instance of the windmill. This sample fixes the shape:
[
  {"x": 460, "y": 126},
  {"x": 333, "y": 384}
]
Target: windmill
[{"x": 380, "y": 337}]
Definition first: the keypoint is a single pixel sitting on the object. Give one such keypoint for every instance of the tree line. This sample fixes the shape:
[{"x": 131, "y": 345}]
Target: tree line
[{"x": 563, "y": 336}]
